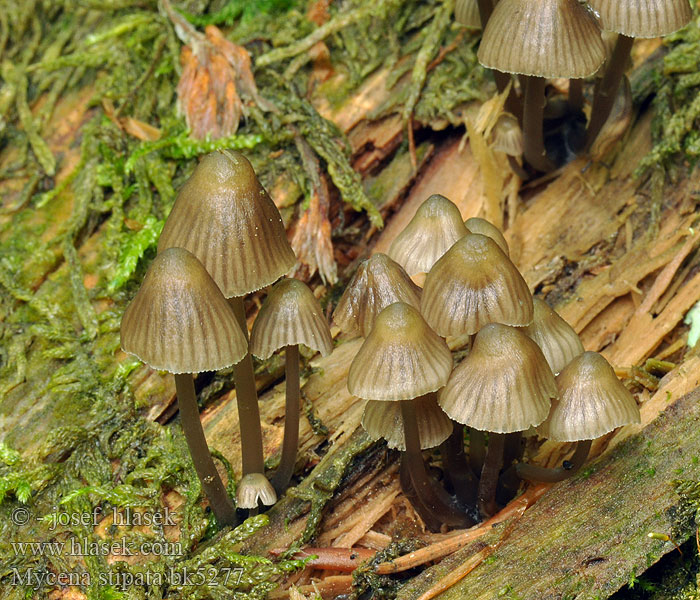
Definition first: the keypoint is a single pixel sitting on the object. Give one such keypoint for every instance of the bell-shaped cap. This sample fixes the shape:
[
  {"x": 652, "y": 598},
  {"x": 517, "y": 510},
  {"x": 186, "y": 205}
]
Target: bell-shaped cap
[
  {"x": 290, "y": 315},
  {"x": 378, "y": 282},
  {"x": 402, "y": 358},
  {"x": 507, "y": 138},
  {"x": 179, "y": 321},
  {"x": 474, "y": 284},
  {"x": 558, "y": 341},
  {"x": 227, "y": 220},
  {"x": 484, "y": 227},
  {"x": 431, "y": 232},
  {"x": 383, "y": 420},
  {"x": 503, "y": 385},
  {"x": 592, "y": 401},
  {"x": 648, "y": 19},
  {"x": 545, "y": 38},
  {"x": 467, "y": 13},
  {"x": 254, "y": 488}
]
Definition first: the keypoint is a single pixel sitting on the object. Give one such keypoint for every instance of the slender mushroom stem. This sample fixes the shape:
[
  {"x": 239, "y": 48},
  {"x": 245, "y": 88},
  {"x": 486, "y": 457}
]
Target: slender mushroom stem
[
  {"x": 290, "y": 443},
  {"x": 576, "y": 94},
  {"x": 431, "y": 520},
  {"x": 477, "y": 450},
  {"x": 247, "y": 400},
  {"x": 513, "y": 448},
  {"x": 204, "y": 465},
  {"x": 605, "y": 93},
  {"x": 489, "y": 474},
  {"x": 432, "y": 497},
  {"x": 533, "y": 136},
  {"x": 456, "y": 467},
  {"x": 568, "y": 468}
]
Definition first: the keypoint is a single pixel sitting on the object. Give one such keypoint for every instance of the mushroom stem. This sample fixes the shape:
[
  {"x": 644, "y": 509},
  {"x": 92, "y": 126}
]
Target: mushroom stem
[
  {"x": 576, "y": 94},
  {"x": 568, "y": 468},
  {"x": 430, "y": 496},
  {"x": 489, "y": 474},
  {"x": 604, "y": 98},
  {"x": 247, "y": 400},
  {"x": 290, "y": 444},
  {"x": 533, "y": 137},
  {"x": 477, "y": 450},
  {"x": 456, "y": 467},
  {"x": 212, "y": 485},
  {"x": 432, "y": 520}
]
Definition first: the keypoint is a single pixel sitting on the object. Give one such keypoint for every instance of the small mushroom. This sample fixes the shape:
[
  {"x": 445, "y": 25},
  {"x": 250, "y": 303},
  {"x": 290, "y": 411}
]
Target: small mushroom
[
  {"x": 289, "y": 316},
  {"x": 484, "y": 227},
  {"x": 181, "y": 323}
]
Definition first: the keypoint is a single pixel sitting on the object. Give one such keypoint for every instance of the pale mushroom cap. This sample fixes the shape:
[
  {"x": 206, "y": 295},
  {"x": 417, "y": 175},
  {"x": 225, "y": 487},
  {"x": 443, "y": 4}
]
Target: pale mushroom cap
[
  {"x": 592, "y": 401},
  {"x": 474, "y": 284},
  {"x": 290, "y": 315},
  {"x": 378, "y": 282},
  {"x": 647, "y": 19},
  {"x": 507, "y": 138},
  {"x": 401, "y": 358},
  {"x": 544, "y": 38},
  {"x": 179, "y": 321},
  {"x": 558, "y": 341},
  {"x": 227, "y": 220},
  {"x": 435, "y": 227},
  {"x": 484, "y": 227},
  {"x": 467, "y": 13},
  {"x": 503, "y": 385},
  {"x": 254, "y": 488},
  {"x": 383, "y": 420}
]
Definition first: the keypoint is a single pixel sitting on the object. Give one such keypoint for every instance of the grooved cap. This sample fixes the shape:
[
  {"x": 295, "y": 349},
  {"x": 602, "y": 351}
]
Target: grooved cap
[
  {"x": 484, "y": 227},
  {"x": 384, "y": 420},
  {"x": 290, "y": 315},
  {"x": 254, "y": 488},
  {"x": 559, "y": 343},
  {"x": 648, "y": 19},
  {"x": 592, "y": 401},
  {"x": 402, "y": 358},
  {"x": 227, "y": 220},
  {"x": 475, "y": 283},
  {"x": 544, "y": 38},
  {"x": 179, "y": 321},
  {"x": 378, "y": 282},
  {"x": 503, "y": 385},
  {"x": 431, "y": 232},
  {"x": 467, "y": 13}
]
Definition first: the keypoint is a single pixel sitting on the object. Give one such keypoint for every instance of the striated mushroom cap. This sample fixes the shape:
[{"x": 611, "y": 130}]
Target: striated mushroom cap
[
  {"x": 384, "y": 420},
  {"x": 592, "y": 401},
  {"x": 484, "y": 227},
  {"x": 227, "y": 220},
  {"x": 467, "y": 13},
  {"x": 179, "y": 321},
  {"x": 431, "y": 232},
  {"x": 290, "y": 315},
  {"x": 503, "y": 385},
  {"x": 558, "y": 341},
  {"x": 254, "y": 488},
  {"x": 475, "y": 283},
  {"x": 648, "y": 19},
  {"x": 402, "y": 358},
  {"x": 378, "y": 282},
  {"x": 544, "y": 38}
]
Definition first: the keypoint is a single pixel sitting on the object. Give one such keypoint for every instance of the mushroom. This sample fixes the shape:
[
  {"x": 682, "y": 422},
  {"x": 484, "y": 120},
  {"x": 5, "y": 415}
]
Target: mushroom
[
  {"x": 591, "y": 402},
  {"x": 504, "y": 385},
  {"x": 226, "y": 218},
  {"x": 289, "y": 316},
  {"x": 400, "y": 360},
  {"x": 181, "y": 323},
  {"x": 431, "y": 232},
  {"x": 484, "y": 227}
]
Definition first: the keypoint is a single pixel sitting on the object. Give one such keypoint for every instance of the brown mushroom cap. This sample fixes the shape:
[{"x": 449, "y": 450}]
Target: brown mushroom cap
[
  {"x": 179, "y": 321},
  {"x": 383, "y": 420},
  {"x": 467, "y": 13},
  {"x": 290, "y": 315},
  {"x": 431, "y": 232},
  {"x": 378, "y": 282},
  {"x": 592, "y": 401},
  {"x": 544, "y": 38},
  {"x": 473, "y": 284},
  {"x": 484, "y": 227},
  {"x": 401, "y": 358},
  {"x": 503, "y": 385},
  {"x": 227, "y": 220},
  {"x": 558, "y": 341},
  {"x": 648, "y": 19}
]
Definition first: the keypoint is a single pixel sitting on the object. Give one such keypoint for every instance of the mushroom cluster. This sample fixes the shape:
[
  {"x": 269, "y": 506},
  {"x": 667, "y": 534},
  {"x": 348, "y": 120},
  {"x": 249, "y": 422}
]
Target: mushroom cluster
[
  {"x": 223, "y": 239},
  {"x": 525, "y": 367},
  {"x": 534, "y": 41}
]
